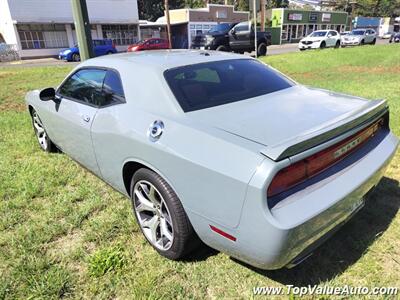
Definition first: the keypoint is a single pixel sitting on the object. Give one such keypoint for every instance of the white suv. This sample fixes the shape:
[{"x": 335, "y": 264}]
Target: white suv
[{"x": 320, "y": 39}]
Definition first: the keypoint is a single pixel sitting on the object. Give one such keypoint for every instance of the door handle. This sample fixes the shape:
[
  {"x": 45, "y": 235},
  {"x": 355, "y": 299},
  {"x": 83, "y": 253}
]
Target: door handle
[{"x": 85, "y": 118}]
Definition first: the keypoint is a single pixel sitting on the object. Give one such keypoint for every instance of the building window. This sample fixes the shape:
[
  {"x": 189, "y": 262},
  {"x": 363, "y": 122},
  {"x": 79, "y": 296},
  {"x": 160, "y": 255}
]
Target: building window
[
  {"x": 40, "y": 36},
  {"x": 121, "y": 34}
]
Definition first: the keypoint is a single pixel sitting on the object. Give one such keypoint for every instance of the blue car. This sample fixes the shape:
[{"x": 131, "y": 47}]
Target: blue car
[{"x": 100, "y": 47}]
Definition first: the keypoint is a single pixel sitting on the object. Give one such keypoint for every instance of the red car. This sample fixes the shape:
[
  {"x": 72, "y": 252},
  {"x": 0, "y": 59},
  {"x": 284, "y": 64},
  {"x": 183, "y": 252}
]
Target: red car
[{"x": 149, "y": 44}]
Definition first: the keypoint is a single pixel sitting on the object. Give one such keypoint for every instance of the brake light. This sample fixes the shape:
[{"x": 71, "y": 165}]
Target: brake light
[
  {"x": 314, "y": 164},
  {"x": 113, "y": 44}
]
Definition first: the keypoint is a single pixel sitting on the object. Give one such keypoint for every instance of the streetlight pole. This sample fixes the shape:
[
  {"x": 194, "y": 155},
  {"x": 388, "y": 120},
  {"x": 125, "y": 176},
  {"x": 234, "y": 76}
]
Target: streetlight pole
[{"x": 82, "y": 28}]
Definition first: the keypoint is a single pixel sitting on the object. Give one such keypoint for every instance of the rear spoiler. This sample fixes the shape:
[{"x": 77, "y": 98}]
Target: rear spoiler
[{"x": 361, "y": 118}]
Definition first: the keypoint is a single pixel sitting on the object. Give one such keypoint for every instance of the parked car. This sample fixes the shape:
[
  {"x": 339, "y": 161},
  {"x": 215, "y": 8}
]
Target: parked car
[
  {"x": 359, "y": 37},
  {"x": 395, "y": 37},
  {"x": 344, "y": 33},
  {"x": 386, "y": 35},
  {"x": 100, "y": 47},
  {"x": 219, "y": 147},
  {"x": 320, "y": 39},
  {"x": 218, "y": 37},
  {"x": 149, "y": 44},
  {"x": 239, "y": 38},
  {"x": 198, "y": 42}
]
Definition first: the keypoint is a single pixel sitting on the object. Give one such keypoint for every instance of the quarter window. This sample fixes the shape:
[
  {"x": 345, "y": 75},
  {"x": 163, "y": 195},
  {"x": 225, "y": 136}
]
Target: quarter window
[
  {"x": 85, "y": 86},
  {"x": 112, "y": 87}
]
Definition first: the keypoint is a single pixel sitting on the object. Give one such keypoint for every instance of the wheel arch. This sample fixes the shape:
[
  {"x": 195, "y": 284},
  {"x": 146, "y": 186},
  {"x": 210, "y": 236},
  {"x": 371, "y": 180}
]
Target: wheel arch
[
  {"x": 131, "y": 166},
  {"x": 30, "y": 109}
]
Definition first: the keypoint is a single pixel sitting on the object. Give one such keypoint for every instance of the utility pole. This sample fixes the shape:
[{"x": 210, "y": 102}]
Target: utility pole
[
  {"x": 262, "y": 17},
  {"x": 353, "y": 12},
  {"x": 255, "y": 24},
  {"x": 82, "y": 28},
  {"x": 168, "y": 24}
]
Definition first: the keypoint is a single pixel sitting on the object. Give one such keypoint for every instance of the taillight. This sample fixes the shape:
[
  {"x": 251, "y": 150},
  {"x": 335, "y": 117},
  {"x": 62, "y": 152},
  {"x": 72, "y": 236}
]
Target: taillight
[
  {"x": 113, "y": 44},
  {"x": 314, "y": 164}
]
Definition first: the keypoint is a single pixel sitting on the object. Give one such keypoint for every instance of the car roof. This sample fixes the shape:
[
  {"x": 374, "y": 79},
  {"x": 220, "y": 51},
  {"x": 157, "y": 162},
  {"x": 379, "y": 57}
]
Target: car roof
[{"x": 160, "y": 60}]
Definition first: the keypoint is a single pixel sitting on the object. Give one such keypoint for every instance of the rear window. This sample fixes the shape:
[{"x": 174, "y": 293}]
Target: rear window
[{"x": 215, "y": 83}]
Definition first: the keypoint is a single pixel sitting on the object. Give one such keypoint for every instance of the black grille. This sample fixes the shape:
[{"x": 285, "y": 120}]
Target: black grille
[{"x": 307, "y": 42}]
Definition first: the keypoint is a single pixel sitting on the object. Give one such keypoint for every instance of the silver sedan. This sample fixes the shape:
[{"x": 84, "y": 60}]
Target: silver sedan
[{"x": 218, "y": 148}]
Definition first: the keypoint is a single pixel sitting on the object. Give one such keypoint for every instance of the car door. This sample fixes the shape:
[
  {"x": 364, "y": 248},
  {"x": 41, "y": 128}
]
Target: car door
[
  {"x": 332, "y": 35},
  {"x": 157, "y": 44},
  {"x": 239, "y": 37},
  {"x": 76, "y": 105},
  {"x": 369, "y": 36},
  {"x": 106, "y": 127}
]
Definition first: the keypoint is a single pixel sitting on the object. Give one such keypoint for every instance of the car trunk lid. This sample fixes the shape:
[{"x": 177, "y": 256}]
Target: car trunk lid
[{"x": 290, "y": 121}]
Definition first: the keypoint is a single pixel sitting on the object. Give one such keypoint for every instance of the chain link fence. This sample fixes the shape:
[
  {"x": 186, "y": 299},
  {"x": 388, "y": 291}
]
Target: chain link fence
[{"x": 8, "y": 52}]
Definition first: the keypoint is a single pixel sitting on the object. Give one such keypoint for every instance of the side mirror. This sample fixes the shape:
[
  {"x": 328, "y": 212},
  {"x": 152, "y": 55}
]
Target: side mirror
[
  {"x": 47, "y": 94},
  {"x": 329, "y": 35},
  {"x": 233, "y": 31}
]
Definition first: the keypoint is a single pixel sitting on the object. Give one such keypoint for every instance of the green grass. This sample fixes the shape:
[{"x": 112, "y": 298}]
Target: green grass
[{"x": 64, "y": 233}]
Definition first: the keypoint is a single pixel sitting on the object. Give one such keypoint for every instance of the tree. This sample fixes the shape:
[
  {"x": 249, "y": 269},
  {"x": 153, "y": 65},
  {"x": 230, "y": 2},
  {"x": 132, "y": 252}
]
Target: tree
[{"x": 151, "y": 10}]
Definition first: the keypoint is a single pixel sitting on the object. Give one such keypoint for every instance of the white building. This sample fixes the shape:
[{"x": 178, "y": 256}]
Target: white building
[{"x": 41, "y": 28}]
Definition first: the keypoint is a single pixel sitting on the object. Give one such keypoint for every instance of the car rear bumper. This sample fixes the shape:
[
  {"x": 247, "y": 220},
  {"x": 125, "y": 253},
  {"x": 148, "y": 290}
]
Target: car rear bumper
[
  {"x": 349, "y": 43},
  {"x": 284, "y": 235}
]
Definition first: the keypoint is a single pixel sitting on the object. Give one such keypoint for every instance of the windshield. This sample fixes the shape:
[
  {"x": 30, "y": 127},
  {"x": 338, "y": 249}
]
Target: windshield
[
  {"x": 221, "y": 27},
  {"x": 358, "y": 32},
  {"x": 216, "y": 83},
  {"x": 318, "y": 34}
]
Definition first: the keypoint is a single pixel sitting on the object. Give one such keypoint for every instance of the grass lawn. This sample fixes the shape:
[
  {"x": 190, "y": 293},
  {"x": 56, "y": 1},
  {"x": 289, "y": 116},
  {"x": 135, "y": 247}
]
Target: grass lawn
[{"x": 64, "y": 233}]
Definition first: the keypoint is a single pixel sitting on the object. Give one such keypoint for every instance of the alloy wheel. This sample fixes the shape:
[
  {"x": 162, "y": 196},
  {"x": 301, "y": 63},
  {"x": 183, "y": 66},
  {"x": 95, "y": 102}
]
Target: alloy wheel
[
  {"x": 39, "y": 131},
  {"x": 153, "y": 215}
]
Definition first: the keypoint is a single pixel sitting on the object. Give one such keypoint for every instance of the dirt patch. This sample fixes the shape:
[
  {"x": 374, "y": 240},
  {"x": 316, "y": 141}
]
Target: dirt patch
[
  {"x": 370, "y": 70},
  {"x": 12, "y": 106},
  {"x": 65, "y": 244}
]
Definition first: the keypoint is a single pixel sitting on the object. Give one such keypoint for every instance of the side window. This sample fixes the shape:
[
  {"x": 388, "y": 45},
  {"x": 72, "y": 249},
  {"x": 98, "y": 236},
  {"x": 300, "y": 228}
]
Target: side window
[
  {"x": 113, "y": 90},
  {"x": 333, "y": 33},
  {"x": 86, "y": 86},
  {"x": 242, "y": 27}
]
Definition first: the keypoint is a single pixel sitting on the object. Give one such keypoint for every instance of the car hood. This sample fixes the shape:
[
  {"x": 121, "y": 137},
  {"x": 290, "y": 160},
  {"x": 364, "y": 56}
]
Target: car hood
[
  {"x": 281, "y": 116},
  {"x": 216, "y": 34}
]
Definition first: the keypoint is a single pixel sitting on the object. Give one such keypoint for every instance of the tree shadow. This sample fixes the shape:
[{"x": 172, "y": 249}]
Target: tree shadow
[{"x": 347, "y": 245}]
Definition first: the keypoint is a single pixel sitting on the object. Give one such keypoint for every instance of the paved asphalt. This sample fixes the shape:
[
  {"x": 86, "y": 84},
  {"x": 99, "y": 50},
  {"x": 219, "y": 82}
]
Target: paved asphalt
[{"x": 42, "y": 62}]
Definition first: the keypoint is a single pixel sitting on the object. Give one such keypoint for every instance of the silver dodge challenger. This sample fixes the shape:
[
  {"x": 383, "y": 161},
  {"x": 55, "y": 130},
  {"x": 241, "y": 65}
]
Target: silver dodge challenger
[{"x": 219, "y": 148}]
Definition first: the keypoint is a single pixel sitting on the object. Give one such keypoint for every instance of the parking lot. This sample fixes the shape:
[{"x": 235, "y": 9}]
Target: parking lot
[{"x": 272, "y": 50}]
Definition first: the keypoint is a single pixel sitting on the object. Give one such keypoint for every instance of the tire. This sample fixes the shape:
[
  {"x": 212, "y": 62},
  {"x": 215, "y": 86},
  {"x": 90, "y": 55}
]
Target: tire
[
  {"x": 362, "y": 43},
  {"x": 337, "y": 45},
  {"x": 373, "y": 42},
  {"x": 109, "y": 52},
  {"x": 262, "y": 49},
  {"x": 323, "y": 45},
  {"x": 222, "y": 48},
  {"x": 76, "y": 57},
  {"x": 41, "y": 135},
  {"x": 176, "y": 238}
]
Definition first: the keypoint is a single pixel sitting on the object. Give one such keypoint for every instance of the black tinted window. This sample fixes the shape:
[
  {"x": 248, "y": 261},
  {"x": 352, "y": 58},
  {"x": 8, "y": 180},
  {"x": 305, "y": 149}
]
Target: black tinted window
[
  {"x": 210, "y": 84},
  {"x": 86, "y": 86},
  {"x": 112, "y": 87}
]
